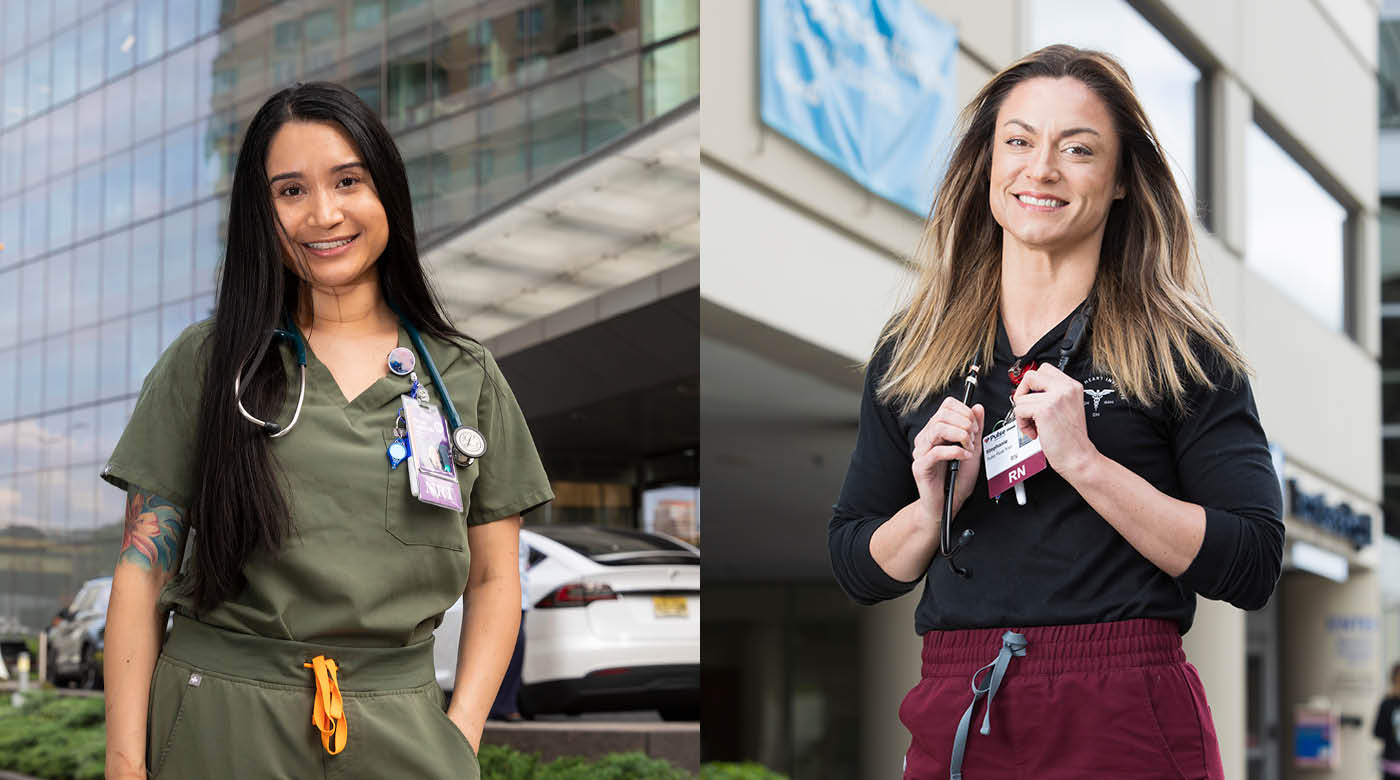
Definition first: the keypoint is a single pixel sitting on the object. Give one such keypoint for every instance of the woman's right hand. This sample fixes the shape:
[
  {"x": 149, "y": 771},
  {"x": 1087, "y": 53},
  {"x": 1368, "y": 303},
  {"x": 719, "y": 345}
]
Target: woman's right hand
[{"x": 954, "y": 432}]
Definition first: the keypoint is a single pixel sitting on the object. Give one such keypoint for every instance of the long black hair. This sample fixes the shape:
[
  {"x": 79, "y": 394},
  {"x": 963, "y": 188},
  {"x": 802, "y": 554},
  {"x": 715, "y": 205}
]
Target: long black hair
[{"x": 241, "y": 508}]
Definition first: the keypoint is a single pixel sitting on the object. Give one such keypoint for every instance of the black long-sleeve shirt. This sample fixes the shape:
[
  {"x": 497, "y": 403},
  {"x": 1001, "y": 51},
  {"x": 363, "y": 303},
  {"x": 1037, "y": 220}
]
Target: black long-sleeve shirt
[{"x": 1055, "y": 561}]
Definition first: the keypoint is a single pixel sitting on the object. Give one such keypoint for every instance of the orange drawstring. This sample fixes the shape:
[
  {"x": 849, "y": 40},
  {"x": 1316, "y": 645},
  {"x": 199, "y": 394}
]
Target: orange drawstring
[{"x": 329, "y": 712}]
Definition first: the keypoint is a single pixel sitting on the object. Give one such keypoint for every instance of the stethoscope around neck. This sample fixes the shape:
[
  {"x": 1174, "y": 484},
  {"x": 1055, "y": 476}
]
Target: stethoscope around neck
[{"x": 467, "y": 443}]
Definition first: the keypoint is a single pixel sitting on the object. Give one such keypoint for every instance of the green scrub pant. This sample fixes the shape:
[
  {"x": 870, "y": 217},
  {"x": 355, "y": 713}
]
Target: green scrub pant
[{"x": 231, "y": 705}]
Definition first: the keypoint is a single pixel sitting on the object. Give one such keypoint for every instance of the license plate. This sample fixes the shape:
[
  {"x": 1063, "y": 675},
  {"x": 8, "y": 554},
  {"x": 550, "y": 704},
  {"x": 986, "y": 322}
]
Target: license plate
[{"x": 670, "y": 606}]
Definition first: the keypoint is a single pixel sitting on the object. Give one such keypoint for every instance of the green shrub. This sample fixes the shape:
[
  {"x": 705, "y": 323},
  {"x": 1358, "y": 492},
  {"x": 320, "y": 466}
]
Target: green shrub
[
  {"x": 53, "y": 737},
  {"x": 749, "y": 770}
]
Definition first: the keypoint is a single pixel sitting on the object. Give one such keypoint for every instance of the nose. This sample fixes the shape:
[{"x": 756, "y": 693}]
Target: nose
[
  {"x": 325, "y": 209},
  {"x": 1041, "y": 166}
]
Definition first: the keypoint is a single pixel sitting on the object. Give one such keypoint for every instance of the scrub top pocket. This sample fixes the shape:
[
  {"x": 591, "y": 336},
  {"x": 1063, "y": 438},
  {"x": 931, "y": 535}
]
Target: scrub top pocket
[{"x": 413, "y": 522}]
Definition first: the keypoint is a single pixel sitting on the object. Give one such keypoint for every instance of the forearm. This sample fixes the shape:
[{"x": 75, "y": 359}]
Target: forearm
[
  {"x": 1164, "y": 530},
  {"x": 491, "y": 621},
  {"x": 905, "y": 544},
  {"x": 131, "y": 644}
]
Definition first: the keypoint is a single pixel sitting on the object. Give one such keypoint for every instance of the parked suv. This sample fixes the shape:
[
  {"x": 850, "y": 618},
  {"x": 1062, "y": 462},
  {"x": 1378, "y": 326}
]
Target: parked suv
[{"x": 75, "y": 638}]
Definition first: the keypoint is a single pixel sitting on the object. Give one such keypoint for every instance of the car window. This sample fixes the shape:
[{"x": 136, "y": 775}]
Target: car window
[
  {"x": 83, "y": 601},
  {"x": 616, "y": 546}
]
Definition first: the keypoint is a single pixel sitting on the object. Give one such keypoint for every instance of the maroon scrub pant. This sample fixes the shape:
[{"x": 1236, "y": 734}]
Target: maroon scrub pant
[{"x": 1101, "y": 700}]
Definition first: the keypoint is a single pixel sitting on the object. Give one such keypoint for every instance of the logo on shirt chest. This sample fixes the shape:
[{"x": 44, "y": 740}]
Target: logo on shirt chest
[{"x": 1100, "y": 392}]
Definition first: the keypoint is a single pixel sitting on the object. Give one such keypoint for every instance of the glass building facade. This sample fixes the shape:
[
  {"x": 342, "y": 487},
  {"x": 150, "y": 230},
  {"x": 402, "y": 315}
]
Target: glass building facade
[{"x": 119, "y": 124}]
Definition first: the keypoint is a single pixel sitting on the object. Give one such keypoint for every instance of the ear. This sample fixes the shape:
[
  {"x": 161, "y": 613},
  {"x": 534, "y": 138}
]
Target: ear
[{"x": 1120, "y": 191}]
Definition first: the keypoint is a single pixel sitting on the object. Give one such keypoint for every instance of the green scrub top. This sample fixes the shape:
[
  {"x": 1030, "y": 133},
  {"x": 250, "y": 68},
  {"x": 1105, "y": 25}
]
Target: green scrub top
[{"x": 366, "y": 563}]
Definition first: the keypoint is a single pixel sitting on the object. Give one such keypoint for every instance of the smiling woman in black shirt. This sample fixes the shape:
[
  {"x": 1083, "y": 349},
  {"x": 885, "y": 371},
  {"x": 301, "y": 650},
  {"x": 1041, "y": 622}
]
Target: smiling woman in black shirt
[{"x": 1059, "y": 260}]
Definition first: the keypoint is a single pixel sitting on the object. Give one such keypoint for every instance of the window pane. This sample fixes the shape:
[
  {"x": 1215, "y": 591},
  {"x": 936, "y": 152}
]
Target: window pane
[
  {"x": 11, "y": 162},
  {"x": 121, "y": 38},
  {"x": 60, "y": 291},
  {"x": 116, "y": 200},
  {"x": 82, "y": 435},
  {"x": 87, "y": 283},
  {"x": 9, "y": 308},
  {"x": 92, "y": 53},
  {"x": 408, "y": 80},
  {"x": 40, "y": 81},
  {"x": 65, "y": 65},
  {"x": 285, "y": 55},
  {"x": 150, "y": 87},
  {"x": 210, "y": 12},
  {"x": 556, "y": 134},
  {"x": 14, "y": 25},
  {"x": 174, "y": 318},
  {"x": 146, "y": 176},
  {"x": 89, "y": 130},
  {"x": 31, "y": 301},
  {"x": 470, "y": 59},
  {"x": 664, "y": 18},
  {"x": 14, "y": 91},
  {"x": 118, "y": 111},
  {"x": 670, "y": 76},
  {"x": 56, "y": 372},
  {"x": 11, "y": 224},
  {"x": 1293, "y": 229},
  {"x": 180, "y": 23},
  {"x": 145, "y": 346},
  {"x": 364, "y": 78},
  {"x": 454, "y": 170},
  {"x": 39, "y": 22},
  {"x": 501, "y": 151},
  {"x": 179, "y": 167},
  {"x": 150, "y": 31},
  {"x": 112, "y": 359},
  {"x": 1166, "y": 82},
  {"x": 88, "y": 210},
  {"x": 179, "y": 88},
  {"x": 63, "y": 128},
  {"x": 145, "y": 265},
  {"x": 116, "y": 275},
  {"x": 84, "y": 365},
  {"x": 215, "y": 149},
  {"x": 36, "y": 221},
  {"x": 36, "y": 150},
  {"x": 611, "y": 102},
  {"x": 177, "y": 261},
  {"x": 209, "y": 244},
  {"x": 61, "y": 212},
  {"x": 111, "y": 420}
]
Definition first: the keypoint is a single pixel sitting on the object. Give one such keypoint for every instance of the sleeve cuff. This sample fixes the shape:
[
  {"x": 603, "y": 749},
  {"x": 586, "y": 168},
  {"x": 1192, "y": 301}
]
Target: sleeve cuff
[
  {"x": 873, "y": 582},
  {"x": 1216, "y": 556}
]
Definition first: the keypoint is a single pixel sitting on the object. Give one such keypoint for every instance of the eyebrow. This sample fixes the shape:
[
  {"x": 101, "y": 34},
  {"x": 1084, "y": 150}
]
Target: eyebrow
[
  {"x": 1072, "y": 131},
  {"x": 298, "y": 174}
]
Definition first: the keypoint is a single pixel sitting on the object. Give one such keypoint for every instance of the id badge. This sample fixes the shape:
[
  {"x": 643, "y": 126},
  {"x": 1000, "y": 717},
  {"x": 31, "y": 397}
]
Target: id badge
[
  {"x": 1010, "y": 457},
  {"x": 431, "y": 476}
]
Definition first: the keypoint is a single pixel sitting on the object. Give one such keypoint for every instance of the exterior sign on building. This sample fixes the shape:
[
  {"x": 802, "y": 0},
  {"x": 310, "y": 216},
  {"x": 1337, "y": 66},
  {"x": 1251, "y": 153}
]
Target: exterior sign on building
[
  {"x": 1339, "y": 519},
  {"x": 1315, "y": 739},
  {"x": 867, "y": 85}
]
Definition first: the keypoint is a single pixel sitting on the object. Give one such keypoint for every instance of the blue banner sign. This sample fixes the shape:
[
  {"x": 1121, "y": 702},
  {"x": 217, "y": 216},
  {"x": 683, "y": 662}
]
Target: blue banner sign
[
  {"x": 1339, "y": 519},
  {"x": 867, "y": 85}
]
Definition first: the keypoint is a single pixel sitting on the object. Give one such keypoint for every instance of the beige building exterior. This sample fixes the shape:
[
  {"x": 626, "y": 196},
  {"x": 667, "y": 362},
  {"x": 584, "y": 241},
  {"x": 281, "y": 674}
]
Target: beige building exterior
[{"x": 801, "y": 266}]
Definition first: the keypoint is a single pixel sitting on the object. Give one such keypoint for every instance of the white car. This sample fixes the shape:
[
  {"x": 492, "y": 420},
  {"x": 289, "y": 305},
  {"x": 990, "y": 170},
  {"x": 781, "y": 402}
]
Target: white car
[{"x": 614, "y": 623}]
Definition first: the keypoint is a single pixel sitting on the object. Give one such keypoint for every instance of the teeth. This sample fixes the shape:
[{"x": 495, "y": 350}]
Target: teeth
[
  {"x": 329, "y": 244},
  {"x": 1040, "y": 201}
]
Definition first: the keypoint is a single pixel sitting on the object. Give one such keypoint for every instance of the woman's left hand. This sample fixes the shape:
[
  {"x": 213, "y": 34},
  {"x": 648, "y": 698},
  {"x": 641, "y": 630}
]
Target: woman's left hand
[{"x": 1050, "y": 406}]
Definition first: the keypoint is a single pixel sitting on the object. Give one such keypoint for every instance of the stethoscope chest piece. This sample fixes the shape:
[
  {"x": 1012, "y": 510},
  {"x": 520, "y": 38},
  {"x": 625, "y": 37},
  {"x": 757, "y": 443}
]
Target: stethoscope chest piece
[{"x": 467, "y": 445}]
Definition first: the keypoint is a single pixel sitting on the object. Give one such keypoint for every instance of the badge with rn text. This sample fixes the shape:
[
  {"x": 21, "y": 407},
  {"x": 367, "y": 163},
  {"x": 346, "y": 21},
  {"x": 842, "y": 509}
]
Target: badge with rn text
[
  {"x": 1011, "y": 457},
  {"x": 431, "y": 476}
]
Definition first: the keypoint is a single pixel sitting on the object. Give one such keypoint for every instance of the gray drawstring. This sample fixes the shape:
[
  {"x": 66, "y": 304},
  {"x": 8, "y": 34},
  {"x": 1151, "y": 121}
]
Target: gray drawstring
[{"x": 1012, "y": 643}]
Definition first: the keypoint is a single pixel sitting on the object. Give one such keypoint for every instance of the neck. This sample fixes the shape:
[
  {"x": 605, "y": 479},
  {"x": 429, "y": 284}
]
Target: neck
[
  {"x": 357, "y": 309},
  {"x": 1039, "y": 288}
]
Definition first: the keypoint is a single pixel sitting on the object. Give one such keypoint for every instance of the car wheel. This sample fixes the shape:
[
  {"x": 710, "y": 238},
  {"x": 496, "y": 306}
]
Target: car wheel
[{"x": 90, "y": 674}]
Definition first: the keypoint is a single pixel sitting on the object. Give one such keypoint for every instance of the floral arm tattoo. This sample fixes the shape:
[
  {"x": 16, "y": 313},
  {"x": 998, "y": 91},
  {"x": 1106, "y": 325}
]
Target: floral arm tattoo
[{"x": 153, "y": 536}]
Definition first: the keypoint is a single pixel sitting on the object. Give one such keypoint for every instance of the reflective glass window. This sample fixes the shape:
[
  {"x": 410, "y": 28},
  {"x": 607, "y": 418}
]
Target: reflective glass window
[
  {"x": 180, "y": 22},
  {"x": 9, "y": 308},
  {"x": 88, "y": 211},
  {"x": 7, "y": 433},
  {"x": 40, "y": 64},
  {"x": 607, "y": 27},
  {"x": 62, "y": 133},
  {"x": 116, "y": 275},
  {"x": 179, "y": 167},
  {"x": 145, "y": 346},
  {"x": 146, "y": 180},
  {"x": 111, "y": 421},
  {"x": 145, "y": 264},
  {"x": 65, "y": 65},
  {"x": 121, "y": 38},
  {"x": 11, "y": 224},
  {"x": 150, "y": 29},
  {"x": 1166, "y": 82},
  {"x": 215, "y": 149},
  {"x": 1293, "y": 229},
  {"x": 174, "y": 318},
  {"x": 53, "y": 430},
  {"x": 87, "y": 283},
  {"x": 11, "y": 163},
  {"x": 179, "y": 88},
  {"x": 82, "y": 498},
  {"x": 409, "y": 99},
  {"x": 364, "y": 78},
  {"x": 664, "y": 18},
  {"x": 29, "y": 395},
  {"x": 55, "y": 502},
  {"x": 56, "y": 367},
  {"x": 418, "y": 164},
  {"x": 454, "y": 178},
  {"x": 83, "y": 435},
  {"x": 116, "y": 200},
  {"x": 285, "y": 55},
  {"x": 92, "y": 52},
  {"x": 470, "y": 59},
  {"x": 40, "y": 18},
  {"x": 118, "y": 110},
  {"x": 60, "y": 292},
  {"x": 321, "y": 32},
  {"x": 556, "y": 135},
  {"x": 209, "y": 243},
  {"x": 365, "y": 14},
  {"x": 149, "y": 88},
  {"x": 13, "y": 29},
  {"x": 612, "y": 102},
  {"x": 90, "y": 128},
  {"x": 36, "y": 150},
  {"x": 36, "y": 220},
  {"x": 209, "y": 13},
  {"x": 205, "y": 53},
  {"x": 203, "y": 307},
  {"x": 84, "y": 378},
  {"x": 111, "y": 359},
  {"x": 27, "y": 505},
  {"x": 65, "y": 12},
  {"x": 501, "y": 151},
  {"x": 14, "y": 91},
  {"x": 61, "y": 212},
  {"x": 31, "y": 301},
  {"x": 670, "y": 76},
  {"x": 177, "y": 255}
]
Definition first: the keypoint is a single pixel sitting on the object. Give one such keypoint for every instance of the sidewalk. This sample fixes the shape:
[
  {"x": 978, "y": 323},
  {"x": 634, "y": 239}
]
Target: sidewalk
[{"x": 678, "y": 743}]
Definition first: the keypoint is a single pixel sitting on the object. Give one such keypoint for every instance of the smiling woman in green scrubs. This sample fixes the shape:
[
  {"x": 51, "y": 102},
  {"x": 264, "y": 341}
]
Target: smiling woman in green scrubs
[{"x": 302, "y": 638}]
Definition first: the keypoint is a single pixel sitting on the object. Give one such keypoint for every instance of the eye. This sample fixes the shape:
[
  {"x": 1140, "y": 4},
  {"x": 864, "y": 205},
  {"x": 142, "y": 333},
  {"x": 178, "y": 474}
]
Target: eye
[
  {"x": 290, "y": 191},
  {"x": 1015, "y": 141},
  {"x": 348, "y": 181},
  {"x": 1079, "y": 151}
]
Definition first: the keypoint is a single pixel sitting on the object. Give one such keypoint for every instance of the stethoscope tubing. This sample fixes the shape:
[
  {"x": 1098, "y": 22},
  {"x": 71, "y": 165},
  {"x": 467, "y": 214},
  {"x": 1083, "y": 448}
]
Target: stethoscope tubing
[{"x": 274, "y": 430}]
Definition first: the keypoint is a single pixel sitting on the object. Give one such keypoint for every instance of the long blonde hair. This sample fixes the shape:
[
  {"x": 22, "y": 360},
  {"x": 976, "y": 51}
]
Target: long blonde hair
[{"x": 1149, "y": 291}]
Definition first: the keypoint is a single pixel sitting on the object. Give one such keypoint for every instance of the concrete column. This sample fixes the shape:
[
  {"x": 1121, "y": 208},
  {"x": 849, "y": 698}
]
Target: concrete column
[
  {"x": 1232, "y": 111},
  {"x": 1331, "y": 653},
  {"x": 1215, "y": 645},
  {"x": 889, "y": 668}
]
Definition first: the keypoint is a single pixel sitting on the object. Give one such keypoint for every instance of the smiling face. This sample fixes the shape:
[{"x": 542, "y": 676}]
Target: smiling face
[
  {"x": 1054, "y": 171},
  {"x": 326, "y": 200}
]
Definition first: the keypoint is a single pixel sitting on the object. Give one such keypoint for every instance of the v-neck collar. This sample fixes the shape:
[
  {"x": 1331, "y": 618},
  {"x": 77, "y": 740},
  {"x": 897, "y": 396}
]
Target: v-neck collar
[
  {"x": 321, "y": 382},
  {"x": 1002, "y": 352}
]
